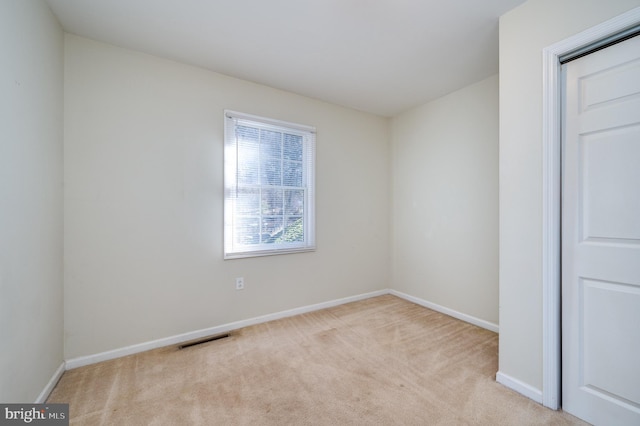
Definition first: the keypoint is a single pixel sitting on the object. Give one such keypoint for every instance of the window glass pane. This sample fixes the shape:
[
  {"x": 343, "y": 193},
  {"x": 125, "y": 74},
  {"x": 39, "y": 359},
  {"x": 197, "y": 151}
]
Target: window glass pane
[
  {"x": 248, "y": 155},
  {"x": 292, "y": 173},
  {"x": 247, "y": 230},
  {"x": 292, "y": 147},
  {"x": 248, "y": 201},
  {"x": 271, "y": 229},
  {"x": 271, "y": 144},
  {"x": 294, "y": 202},
  {"x": 247, "y": 133},
  {"x": 293, "y": 230},
  {"x": 271, "y": 172},
  {"x": 270, "y": 157},
  {"x": 272, "y": 202}
]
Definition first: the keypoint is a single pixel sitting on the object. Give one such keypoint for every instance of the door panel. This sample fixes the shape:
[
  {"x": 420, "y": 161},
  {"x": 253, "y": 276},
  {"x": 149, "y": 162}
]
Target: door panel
[
  {"x": 601, "y": 236},
  {"x": 610, "y": 197},
  {"x": 609, "y": 309}
]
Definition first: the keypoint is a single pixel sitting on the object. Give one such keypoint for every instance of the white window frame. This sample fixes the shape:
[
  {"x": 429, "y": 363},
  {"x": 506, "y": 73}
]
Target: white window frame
[{"x": 232, "y": 248}]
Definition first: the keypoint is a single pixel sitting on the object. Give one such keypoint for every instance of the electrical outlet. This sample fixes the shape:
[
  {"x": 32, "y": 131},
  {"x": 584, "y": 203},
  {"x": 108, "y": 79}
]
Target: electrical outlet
[{"x": 239, "y": 283}]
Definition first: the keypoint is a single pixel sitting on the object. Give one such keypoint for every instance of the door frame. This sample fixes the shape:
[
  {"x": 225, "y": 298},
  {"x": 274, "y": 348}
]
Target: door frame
[{"x": 552, "y": 197}]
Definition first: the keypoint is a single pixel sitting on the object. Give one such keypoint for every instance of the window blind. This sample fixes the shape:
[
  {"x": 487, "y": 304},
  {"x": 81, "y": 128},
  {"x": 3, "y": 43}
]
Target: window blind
[{"x": 269, "y": 186}]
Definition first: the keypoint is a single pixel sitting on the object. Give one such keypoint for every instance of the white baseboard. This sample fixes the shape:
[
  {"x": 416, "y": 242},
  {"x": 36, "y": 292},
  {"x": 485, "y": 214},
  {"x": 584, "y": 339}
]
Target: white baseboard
[
  {"x": 52, "y": 384},
  {"x": 520, "y": 387},
  {"x": 173, "y": 340},
  {"x": 224, "y": 328},
  {"x": 459, "y": 315}
]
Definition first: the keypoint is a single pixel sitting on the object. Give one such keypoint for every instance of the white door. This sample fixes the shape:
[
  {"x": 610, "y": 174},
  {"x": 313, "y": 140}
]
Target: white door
[{"x": 601, "y": 236}]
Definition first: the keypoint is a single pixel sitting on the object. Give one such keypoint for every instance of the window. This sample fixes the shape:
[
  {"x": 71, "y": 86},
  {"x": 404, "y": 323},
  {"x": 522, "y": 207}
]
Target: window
[{"x": 269, "y": 171}]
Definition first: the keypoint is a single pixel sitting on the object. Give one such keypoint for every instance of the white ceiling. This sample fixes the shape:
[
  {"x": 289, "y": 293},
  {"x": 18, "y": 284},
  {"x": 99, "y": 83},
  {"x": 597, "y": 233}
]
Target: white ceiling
[{"x": 378, "y": 56}]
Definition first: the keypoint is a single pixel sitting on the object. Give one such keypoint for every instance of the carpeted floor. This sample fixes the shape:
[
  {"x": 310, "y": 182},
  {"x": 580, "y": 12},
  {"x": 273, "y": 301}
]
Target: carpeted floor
[{"x": 381, "y": 361}]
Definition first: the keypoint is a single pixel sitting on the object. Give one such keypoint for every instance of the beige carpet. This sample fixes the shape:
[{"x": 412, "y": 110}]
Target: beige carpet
[{"x": 381, "y": 361}]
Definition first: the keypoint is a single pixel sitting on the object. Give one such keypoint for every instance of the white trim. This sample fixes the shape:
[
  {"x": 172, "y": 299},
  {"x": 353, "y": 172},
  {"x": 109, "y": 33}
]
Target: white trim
[
  {"x": 180, "y": 338},
  {"x": 42, "y": 398},
  {"x": 519, "y": 386},
  {"x": 172, "y": 340},
  {"x": 551, "y": 196},
  {"x": 234, "y": 249},
  {"x": 270, "y": 122},
  {"x": 551, "y": 239},
  {"x": 452, "y": 313}
]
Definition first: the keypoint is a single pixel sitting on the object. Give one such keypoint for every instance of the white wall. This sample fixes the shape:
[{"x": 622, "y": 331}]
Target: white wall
[
  {"x": 143, "y": 201},
  {"x": 31, "y": 311},
  {"x": 445, "y": 201},
  {"x": 524, "y": 32}
]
